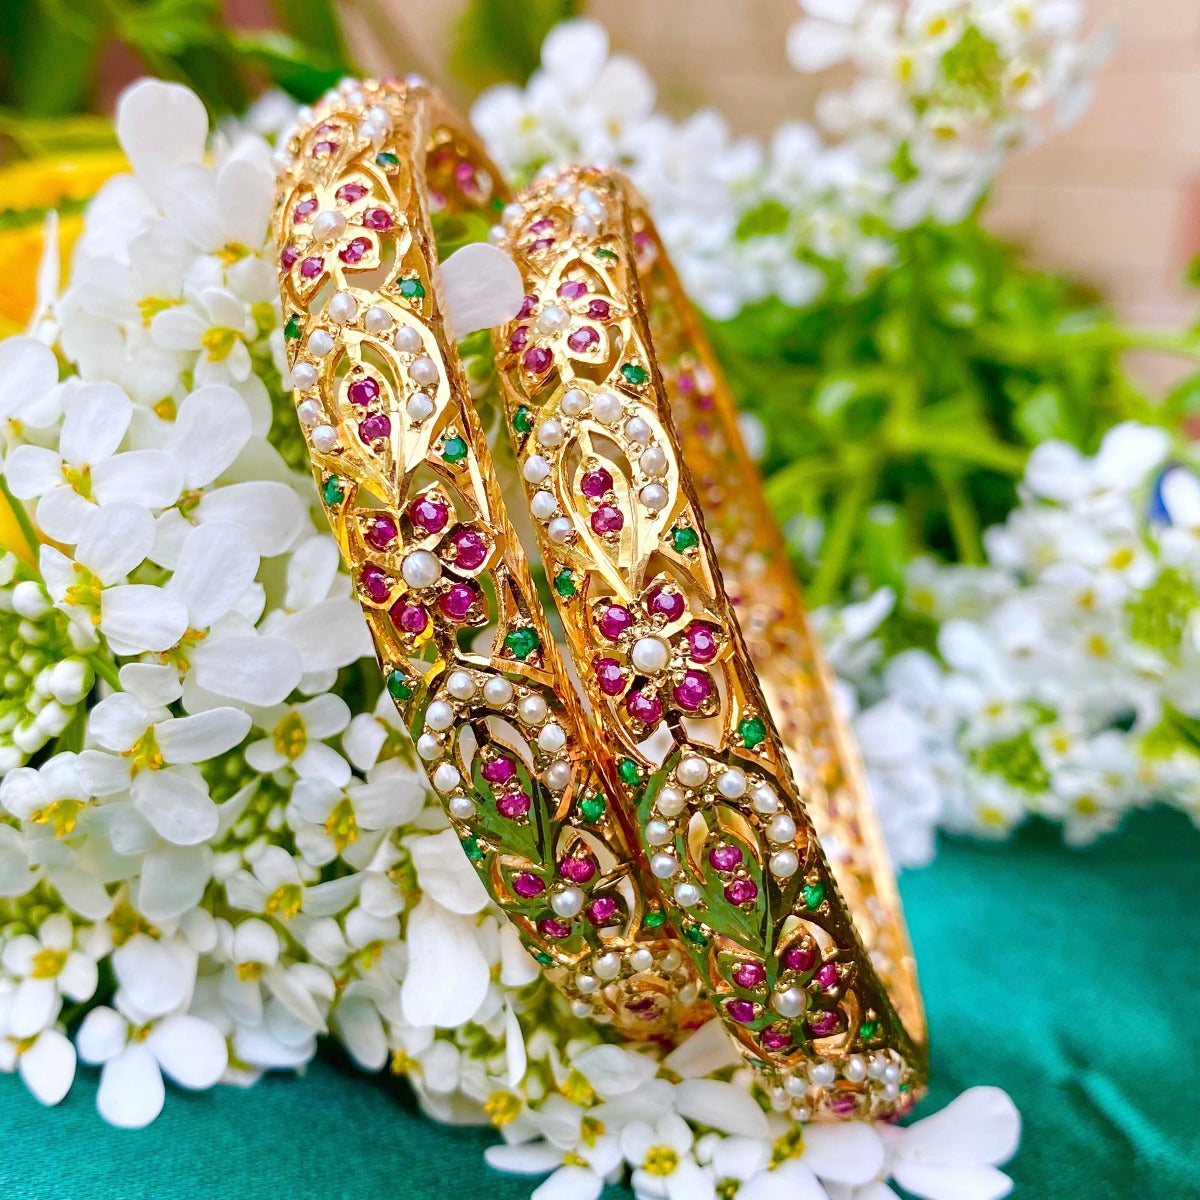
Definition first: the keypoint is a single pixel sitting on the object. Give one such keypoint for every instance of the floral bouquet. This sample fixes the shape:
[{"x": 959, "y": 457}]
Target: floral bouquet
[{"x": 216, "y": 846}]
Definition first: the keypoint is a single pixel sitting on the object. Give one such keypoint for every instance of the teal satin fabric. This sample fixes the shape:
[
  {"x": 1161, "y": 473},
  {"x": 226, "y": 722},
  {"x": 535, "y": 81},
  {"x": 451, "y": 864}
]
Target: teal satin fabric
[{"x": 1072, "y": 979}]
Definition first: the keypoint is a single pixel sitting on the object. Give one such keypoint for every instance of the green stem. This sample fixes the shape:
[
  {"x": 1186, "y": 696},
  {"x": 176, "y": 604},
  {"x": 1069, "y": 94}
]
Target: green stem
[
  {"x": 960, "y": 512},
  {"x": 1063, "y": 342},
  {"x": 22, "y": 519},
  {"x": 106, "y": 669},
  {"x": 964, "y": 448},
  {"x": 835, "y": 549}
]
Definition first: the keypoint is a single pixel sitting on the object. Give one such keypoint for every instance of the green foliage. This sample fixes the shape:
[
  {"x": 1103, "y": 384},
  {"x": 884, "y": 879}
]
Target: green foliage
[
  {"x": 497, "y": 41},
  {"x": 902, "y": 418}
]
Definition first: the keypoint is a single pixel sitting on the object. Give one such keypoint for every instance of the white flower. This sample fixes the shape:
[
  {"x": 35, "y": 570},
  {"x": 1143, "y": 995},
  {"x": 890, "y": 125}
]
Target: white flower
[
  {"x": 46, "y": 1062},
  {"x": 29, "y": 392},
  {"x": 296, "y": 741},
  {"x": 47, "y": 967},
  {"x": 662, "y": 1160}
]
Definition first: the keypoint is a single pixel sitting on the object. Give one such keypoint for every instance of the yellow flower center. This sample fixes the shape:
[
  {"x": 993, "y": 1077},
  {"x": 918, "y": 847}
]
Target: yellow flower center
[
  {"x": 577, "y": 1089},
  {"x": 47, "y": 963},
  {"x": 403, "y": 1063},
  {"x": 788, "y": 1145},
  {"x": 85, "y": 593},
  {"x": 290, "y": 736},
  {"x": 1086, "y": 806},
  {"x": 79, "y": 479},
  {"x": 660, "y": 1160},
  {"x": 165, "y": 409},
  {"x": 62, "y": 814},
  {"x": 144, "y": 754},
  {"x": 285, "y": 900},
  {"x": 247, "y": 971},
  {"x": 232, "y": 252},
  {"x": 1121, "y": 558},
  {"x": 151, "y": 306},
  {"x": 125, "y": 922},
  {"x": 219, "y": 342},
  {"x": 590, "y": 1129},
  {"x": 1097, "y": 646},
  {"x": 726, "y": 1189},
  {"x": 341, "y": 825},
  {"x": 502, "y": 1108}
]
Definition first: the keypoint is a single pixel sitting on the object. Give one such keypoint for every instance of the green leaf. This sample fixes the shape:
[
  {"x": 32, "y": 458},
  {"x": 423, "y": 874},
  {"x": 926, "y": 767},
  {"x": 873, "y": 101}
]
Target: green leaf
[
  {"x": 500, "y": 40},
  {"x": 295, "y": 66}
]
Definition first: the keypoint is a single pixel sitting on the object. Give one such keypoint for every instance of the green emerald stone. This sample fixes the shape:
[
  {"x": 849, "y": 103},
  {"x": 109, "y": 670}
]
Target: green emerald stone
[
  {"x": 752, "y": 730},
  {"x": 454, "y": 450},
  {"x": 542, "y": 957},
  {"x": 292, "y": 329},
  {"x": 628, "y": 771},
  {"x": 695, "y": 935},
  {"x": 592, "y": 808},
  {"x": 868, "y": 1029},
  {"x": 522, "y": 420},
  {"x": 683, "y": 537},
  {"x": 605, "y": 253},
  {"x": 635, "y": 374},
  {"x": 385, "y": 158},
  {"x": 814, "y": 895},
  {"x": 331, "y": 491},
  {"x": 655, "y": 919},
  {"x": 564, "y": 583},
  {"x": 522, "y": 642},
  {"x": 398, "y": 686},
  {"x": 412, "y": 289},
  {"x": 472, "y": 848}
]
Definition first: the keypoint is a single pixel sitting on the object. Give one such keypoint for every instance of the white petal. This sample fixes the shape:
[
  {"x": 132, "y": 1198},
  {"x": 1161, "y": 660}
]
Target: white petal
[
  {"x": 176, "y": 802},
  {"x": 131, "y": 1088},
  {"x": 251, "y": 669},
  {"x": 569, "y": 1183},
  {"x": 851, "y": 1153},
  {"x": 172, "y": 880},
  {"x": 203, "y": 736},
  {"x": 707, "y": 1050},
  {"x": 103, "y": 774},
  {"x": 1128, "y": 453},
  {"x": 357, "y": 1021},
  {"x": 216, "y": 565},
  {"x": 789, "y": 1181},
  {"x": 117, "y": 539},
  {"x": 938, "y": 1181},
  {"x": 980, "y": 1126},
  {"x": 16, "y": 876},
  {"x": 136, "y": 617},
  {"x": 517, "y": 967},
  {"x": 525, "y": 1158},
  {"x": 482, "y": 286},
  {"x": 48, "y": 1067},
  {"x": 613, "y": 1071},
  {"x": 721, "y": 1106},
  {"x": 329, "y": 635},
  {"x": 211, "y": 428},
  {"x": 64, "y": 515},
  {"x": 157, "y": 976},
  {"x": 154, "y": 685},
  {"x": 445, "y": 873},
  {"x": 317, "y": 760},
  {"x": 817, "y": 45},
  {"x": 1181, "y": 497},
  {"x": 160, "y": 125},
  {"x": 28, "y": 369},
  {"x": 35, "y": 1004},
  {"x": 190, "y": 1051},
  {"x": 117, "y": 722},
  {"x": 95, "y": 422},
  {"x": 147, "y": 477},
  {"x": 78, "y": 977},
  {"x": 448, "y": 975},
  {"x": 102, "y": 1035},
  {"x": 32, "y": 470},
  {"x": 273, "y": 514},
  {"x": 325, "y": 715},
  {"x": 312, "y": 568}
]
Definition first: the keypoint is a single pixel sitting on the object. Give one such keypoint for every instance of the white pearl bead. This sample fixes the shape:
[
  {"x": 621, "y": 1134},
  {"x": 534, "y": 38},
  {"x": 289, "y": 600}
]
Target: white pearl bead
[
  {"x": 607, "y": 965},
  {"x": 421, "y": 569},
  {"x": 687, "y": 895},
  {"x": 428, "y": 747},
  {"x": 822, "y": 1074},
  {"x": 658, "y": 833},
  {"x": 732, "y": 783},
  {"x": 304, "y": 376},
  {"x": 606, "y": 407},
  {"x": 890, "y": 1091},
  {"x": 343, "y": 308},
  {"x": 460, "y": 685},
  {"x": 536, "y": 468},
  {"x": 794, "y": 1085},
  {"x": 408, "y": 339},
  {"x": 856, "y": 1069},
  {"x": 497, "y": 691},
  {"x": 552, "y": 739},
  {"x": 532, "y": 710},
  {"x": 781, "y": 828},
  {"x": 568, "y": 902},
  {"x": 653, "y": 462},
  {"x": 446, "y": 778},
  {"x": 891, "y": 1073},
  {"x": 764, "y": 799},
  {"x": 650, "y": 654},
  {"x": 641, "y": 960},
  {"x": 692, "y": 772},
  {"x": 689, "y": 993},
  {"x": 663, "y": 866},
  {"x": 583, "y": 226},
  {"x": 779, "y": 1100},
  {"x": 590, "y": 203},
  {"x": 462, "y": 807},
  {"x": 319, "y": 343},
  {"x": 324, "y": 438},
  {"x": 788, "y": 1003},
  {"x": 377, "y": 320},
  {"x": 559, "y": 530},
  {"x": 670, "y": 802},
  {"x": 558, "y": 775},
  {"x": 423, "y": 370},
  {"x": 876, "y": 1067},
  {"x": 671, "y": 962},
  {"x": 586, "y": 983},
  {"x": 581, "y": 1008},
  {"x": 784, "y": 864},
  {"x": 552, "y": 319},
  {"x": 309, "y": 412},
  {"x": 574, "y": 401},
  {"x": 511, "y": 212},
  {"x": 543, "y": 505},
  {"x": 328, "y": 225},
  {"x": 563, "y": 189},
  {"x": 638, "y": 431},
  {"x": 550, "y": 433},
  {"x": 439, "y": 715},
  {"x": 654, "y": 496},
  {"x": 420, "y": 407}
]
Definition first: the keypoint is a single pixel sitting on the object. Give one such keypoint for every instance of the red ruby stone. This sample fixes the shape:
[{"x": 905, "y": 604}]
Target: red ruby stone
[
  {"x": 376, "y": 426},
  {"x": 542, "y": 225},
  {"x": 378, "y": 219},
  {"x": 741, "y": 891},
  {"x": 578, "y": 870},
  {"x": 607, "y": 519},
  {"x": 469, "y": 549},
  {"x": 843, "y": 1103},
  {"x": 354, "y": 250},
  {"x": 669, "y": 604},
  {"x": 363, "y": 391},
  {"x": 799, "y": 958},
  {"x": 411, "y": 618},
  {"x": 602, "y": 909},
  {"x": 749, "y": 975},
  {"x": 374, "y": 583},
  {"x": 538, "y": 359},
  {"x": 457, "y": 600},
  {"x": 827, "y": 975},
  {"x": 647, "y": 709},
  {"x": 528, "y": 885},
  {"x": 526, "y": 307},
  {"x": 599, "y": 310},
  {"x": 304, "y": 210},
  {"x": 596, "y": 483},
  {"x": 498, "y": 770},
  {"x": 583, "y": 339},
  {"x": 351, "y": 193},
  {"x": 609, "y": 676},
  {"x": 287, "y": 260},
  {"x": 518, "y": 338},
  {"x": 552, "y": 927},
  {"x": 572, "y": 289},
  {"x": 311, "y": 267},
  {"x": 514, "y": 804},
  {"x": 725, "y": 858},
  {"x": 429, "y": 515},
  {"x": 542, "y": 244},
  {"x": 822, "y": 1024},
  {"x": 614, "y": 621},
  {"x": 775, "y": 1037},
  {"x": 702, "y": 642},
  {"x": 742, "y": 1011},
  {"x": 381, "y": 532},
  {"x": 692, "y": 691},
  {"x": 321, "y": 149}
]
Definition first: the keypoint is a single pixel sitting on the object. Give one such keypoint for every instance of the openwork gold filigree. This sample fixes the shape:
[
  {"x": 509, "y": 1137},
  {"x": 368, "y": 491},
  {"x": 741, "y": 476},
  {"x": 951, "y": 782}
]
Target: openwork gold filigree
[
  {"x": 408, "y": 485},
  {"x": 749, "y": 800}
]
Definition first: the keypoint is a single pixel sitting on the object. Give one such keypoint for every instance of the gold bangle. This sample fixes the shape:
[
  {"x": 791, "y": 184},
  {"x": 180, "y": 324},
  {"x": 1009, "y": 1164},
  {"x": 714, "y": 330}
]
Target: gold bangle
[
  {"x": 408, "y": 484},
  {"x": 729, "y": 749}
]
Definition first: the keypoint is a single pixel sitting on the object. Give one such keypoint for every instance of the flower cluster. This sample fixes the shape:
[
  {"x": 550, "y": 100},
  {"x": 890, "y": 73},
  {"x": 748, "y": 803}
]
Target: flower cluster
[
  {"x": 944, "y": 90},
  {"x": 1061, "y": 678},
  {"x": 215, "y": 846}
]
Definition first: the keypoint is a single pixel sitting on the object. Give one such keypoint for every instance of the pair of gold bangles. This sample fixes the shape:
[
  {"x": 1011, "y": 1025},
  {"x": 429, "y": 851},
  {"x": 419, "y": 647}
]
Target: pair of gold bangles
[{"x": 687, "y": 833}]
